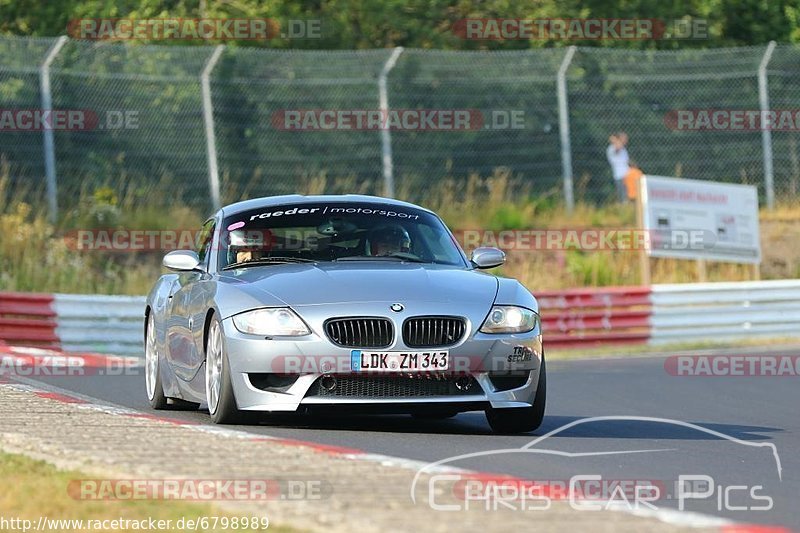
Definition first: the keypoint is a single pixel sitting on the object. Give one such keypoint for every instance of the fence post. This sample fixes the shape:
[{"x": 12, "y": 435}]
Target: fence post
[
  {"x": 563, "y": 129},
  {"x": 49, "y": 140},
  {"x": 766, "y": 134},
  {"x": 386, "y": 135},
  {"x": 208, "y": 121}
]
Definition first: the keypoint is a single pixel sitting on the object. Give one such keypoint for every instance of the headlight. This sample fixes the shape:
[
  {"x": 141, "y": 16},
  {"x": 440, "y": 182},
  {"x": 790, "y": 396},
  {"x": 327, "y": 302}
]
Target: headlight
[
  {"x": 277, "y": 321},
  {"x": 509, "y": 319}
]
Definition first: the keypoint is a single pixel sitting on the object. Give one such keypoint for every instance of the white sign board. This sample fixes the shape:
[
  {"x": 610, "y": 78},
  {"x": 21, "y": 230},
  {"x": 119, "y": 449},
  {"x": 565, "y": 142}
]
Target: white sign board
[{"x": 693, "y": 219}]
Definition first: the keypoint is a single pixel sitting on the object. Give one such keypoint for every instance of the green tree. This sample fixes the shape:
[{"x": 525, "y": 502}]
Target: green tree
[{"x": 350, "y": 24}]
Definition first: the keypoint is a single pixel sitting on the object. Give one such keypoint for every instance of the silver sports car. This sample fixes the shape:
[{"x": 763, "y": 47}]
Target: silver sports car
[{"x": 350, "y": 303}]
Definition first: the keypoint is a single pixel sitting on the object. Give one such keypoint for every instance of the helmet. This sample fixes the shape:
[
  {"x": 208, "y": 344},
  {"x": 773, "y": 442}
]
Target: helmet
[
  {"x": 248, "y": 245},
  {"x": 388, "y": 239}
]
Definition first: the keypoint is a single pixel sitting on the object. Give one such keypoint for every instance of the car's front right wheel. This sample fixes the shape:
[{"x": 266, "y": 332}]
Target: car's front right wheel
[
  {"x": 219, "y": 389},
  {"x": 152, "y": 362},
  {"x": 521, "y": 419}
]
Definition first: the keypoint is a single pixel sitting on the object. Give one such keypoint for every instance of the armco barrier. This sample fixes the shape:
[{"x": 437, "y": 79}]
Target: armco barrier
[
  {"x": 28, "y": 319},
  {"x": 725, "y": 311},
  {"x": 574, "y": 318},
  {"x": 102, "y": 324},
  {"x": 74, "y": 323},
  {"x": 588, "y": 317}
]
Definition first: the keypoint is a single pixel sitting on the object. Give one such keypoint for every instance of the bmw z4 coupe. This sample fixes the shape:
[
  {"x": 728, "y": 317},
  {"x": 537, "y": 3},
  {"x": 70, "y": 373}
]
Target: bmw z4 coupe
[{"x": 304, "y": 303}]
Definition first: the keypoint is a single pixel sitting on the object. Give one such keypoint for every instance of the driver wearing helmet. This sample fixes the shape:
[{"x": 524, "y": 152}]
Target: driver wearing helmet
[
  {"x": 388, "y": 239},
  {"x": 249, "y": 245}
]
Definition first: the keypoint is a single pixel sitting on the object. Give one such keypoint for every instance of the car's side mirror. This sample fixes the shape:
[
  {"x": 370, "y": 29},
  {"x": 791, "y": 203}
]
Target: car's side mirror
[
  {"x": 486, "y": 257},
  {"x": 181, "y": 260}
]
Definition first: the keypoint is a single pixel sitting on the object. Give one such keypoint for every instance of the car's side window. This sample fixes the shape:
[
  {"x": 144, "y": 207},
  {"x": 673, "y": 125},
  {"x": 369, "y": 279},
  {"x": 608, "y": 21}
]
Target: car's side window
[{"x": 204, "y": 242}]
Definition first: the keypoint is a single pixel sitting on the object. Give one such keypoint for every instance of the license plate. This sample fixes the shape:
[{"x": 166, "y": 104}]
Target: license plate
[{"x": 363, "y": 361}]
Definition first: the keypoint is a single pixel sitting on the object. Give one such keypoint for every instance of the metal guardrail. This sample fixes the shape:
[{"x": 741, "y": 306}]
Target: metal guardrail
[
  {"x": 28, "y": 318},
  {"x": 73, "y": 323},
  {"x": 725, "y": 311},
  {"x": 574, "y": 318},
  {"x": 102, "y": 324}
]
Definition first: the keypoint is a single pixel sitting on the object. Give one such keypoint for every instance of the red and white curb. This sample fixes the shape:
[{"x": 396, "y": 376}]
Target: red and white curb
[{"x": 80, "y": 401}]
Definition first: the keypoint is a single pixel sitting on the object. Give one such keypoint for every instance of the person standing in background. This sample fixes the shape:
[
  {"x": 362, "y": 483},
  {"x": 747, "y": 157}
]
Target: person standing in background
[
  {"x": 617, "y": 155},
  {"x": 632, "y": 180}
]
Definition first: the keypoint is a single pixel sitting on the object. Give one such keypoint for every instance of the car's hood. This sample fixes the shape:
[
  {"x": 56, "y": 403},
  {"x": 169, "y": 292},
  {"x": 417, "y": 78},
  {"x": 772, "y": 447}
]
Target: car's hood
[{"x": 331, "y": 283}]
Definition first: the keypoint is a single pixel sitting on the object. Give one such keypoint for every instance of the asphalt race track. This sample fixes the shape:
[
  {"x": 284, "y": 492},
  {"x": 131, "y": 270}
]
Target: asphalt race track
[{"x": 747, "y": 409}]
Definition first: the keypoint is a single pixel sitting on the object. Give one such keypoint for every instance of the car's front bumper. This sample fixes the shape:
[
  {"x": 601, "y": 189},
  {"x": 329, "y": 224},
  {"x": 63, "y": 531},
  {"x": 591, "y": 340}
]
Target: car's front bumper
[{"x": 480, "y": 356}]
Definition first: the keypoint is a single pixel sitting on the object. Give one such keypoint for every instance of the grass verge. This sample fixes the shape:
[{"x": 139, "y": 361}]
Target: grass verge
[{"x": 37, "y": 489}]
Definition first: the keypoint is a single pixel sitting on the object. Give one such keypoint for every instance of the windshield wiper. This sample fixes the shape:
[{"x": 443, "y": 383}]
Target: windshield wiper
[
  {"x": 268, "y": 261},
  {"x": 399, "y": 256}
]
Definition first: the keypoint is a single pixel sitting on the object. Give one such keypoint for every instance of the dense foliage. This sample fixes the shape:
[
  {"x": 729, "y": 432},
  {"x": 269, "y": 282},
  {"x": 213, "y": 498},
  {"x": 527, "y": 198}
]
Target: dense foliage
[{"x": 349, "y": 24}]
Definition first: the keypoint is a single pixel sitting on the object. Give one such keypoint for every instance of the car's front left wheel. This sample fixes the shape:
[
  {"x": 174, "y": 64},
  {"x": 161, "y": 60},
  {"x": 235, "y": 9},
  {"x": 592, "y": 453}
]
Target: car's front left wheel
[
  {"x": 521, "y": 419},
  {"x": 219, "y": 389}
]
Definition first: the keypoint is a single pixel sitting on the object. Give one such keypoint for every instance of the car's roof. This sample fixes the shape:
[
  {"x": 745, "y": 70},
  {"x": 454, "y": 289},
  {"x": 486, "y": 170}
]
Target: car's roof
[{"x": 294, "y": 199}]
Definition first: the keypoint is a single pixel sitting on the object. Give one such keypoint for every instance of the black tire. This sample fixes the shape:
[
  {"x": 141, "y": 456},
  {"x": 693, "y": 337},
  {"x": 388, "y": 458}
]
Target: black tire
[
  {"x": 178, "y": 404},
  {"x": 226, "y": 411},
  {"x": 435, "y": 415},
  {"x": 521, "y": 419}
]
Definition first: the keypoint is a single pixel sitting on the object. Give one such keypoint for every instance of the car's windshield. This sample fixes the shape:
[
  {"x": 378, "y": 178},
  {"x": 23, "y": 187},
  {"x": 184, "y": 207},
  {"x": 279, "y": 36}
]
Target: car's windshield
[{"x": 335, "y": 232}]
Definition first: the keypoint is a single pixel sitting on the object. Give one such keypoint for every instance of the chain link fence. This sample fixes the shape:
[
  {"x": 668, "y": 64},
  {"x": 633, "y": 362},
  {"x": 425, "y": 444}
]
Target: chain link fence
[{"x": 151, "y": 137}]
